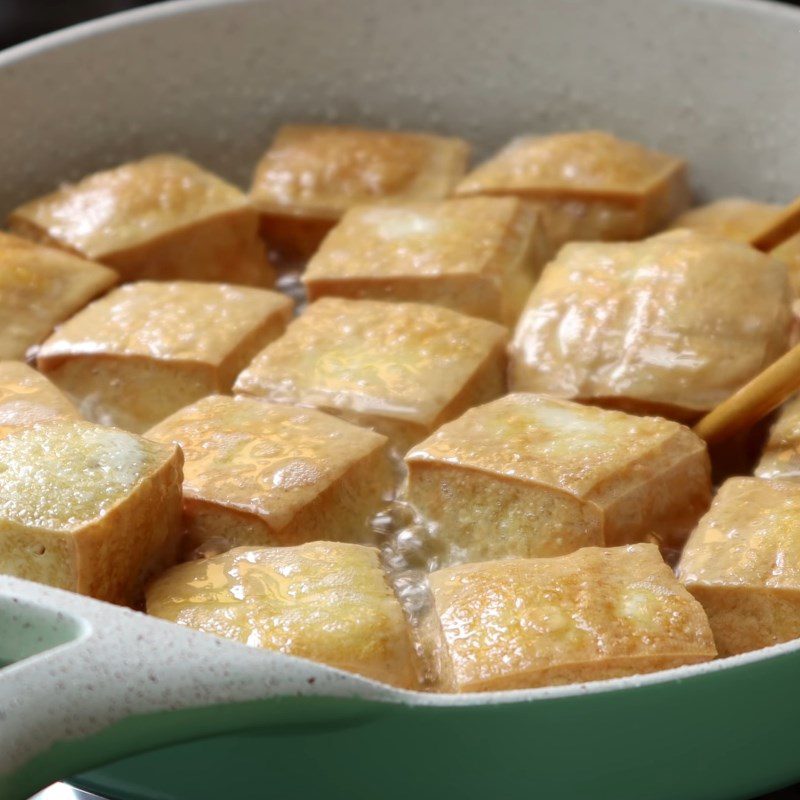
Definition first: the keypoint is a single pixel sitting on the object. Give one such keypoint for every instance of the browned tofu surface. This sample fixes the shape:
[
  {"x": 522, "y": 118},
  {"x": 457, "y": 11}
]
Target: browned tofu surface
[
  {"x": 402, "y": 368},
  {"x": 162, "y": 218},
  {"x": 588, "y": 184},
  {"x": 591, "y": 615},
  {"x": 312, "y": 174},
  {"x": 788, "y": 251},
  {"x": 325, "y": 601},
  {"x": 781, "y": 455},
  {"x": 480, "y": 255},
  {"x": 40, "y": 287},
  {"x": 742, "y": 563},
  {"x": 671, "y": 325},
  {"x": 262, "y": 474},
  {"x": 734, "y": 218},
  {"x": 148, "y": 348},
  {"x": 531, "y": 475},
  {"x": 27, "y": 397},
  {"x": 91, "y": 509}
]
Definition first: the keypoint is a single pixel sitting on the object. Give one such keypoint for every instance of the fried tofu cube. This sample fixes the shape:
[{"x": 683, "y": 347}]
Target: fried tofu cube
[
  {"x": 480, "y": 256},
  {"x": 27, "y": 397},
  {"x": 530, "y": 475},
  {"x": 40, "y": 287},
  {"x": 161, "y": 218},
  {"x": 325, "y": 601},
  {"x": 262, "y": 474},
  {"x": 147, "y": 349},
  {"x": 591, "y": 615},
  {"x": 589, "y": 185},
  {"x": 86, "y": 508},
  {"x": 781, "y": 455},
  {"x": 742, "y": 563},
  {"x": 672, "y": 325},
  {"x": 312, "y": 174},
  {"x": 734, "y": 218},
  {"x": 400, "y": 368}
]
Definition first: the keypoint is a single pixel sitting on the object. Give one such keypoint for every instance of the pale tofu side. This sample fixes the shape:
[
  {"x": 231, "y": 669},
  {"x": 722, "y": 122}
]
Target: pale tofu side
[
  {"x": 589, "y": 185},
  {"x": 671, "y": 325},
  {"x": 149, "y": 348},
  {"x": 163, "y": 218},
  {"x": 530, "y": 475},
  {"x": 742, "y": 563},
  {"x": 734, "y": 218},
  {"x": 40, "y": 287},
  {"x": 480, "y": 256},
  {"x": 781, "y": 456},
  {"x": 326, "y": 601},
  {"x": 312, "y": 174},
  {"x": 401, "y": 368},
  {"x": 262, "y": 474},
  {"x": 27, "y": 397},
  {"x": 591, "y": 615},
  {"x": 87, "y": 508}
]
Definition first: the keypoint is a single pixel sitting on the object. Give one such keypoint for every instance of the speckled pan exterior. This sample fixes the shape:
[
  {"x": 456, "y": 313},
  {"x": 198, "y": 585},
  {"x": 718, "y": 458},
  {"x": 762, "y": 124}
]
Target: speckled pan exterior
[{"x": 714, "y": 80}]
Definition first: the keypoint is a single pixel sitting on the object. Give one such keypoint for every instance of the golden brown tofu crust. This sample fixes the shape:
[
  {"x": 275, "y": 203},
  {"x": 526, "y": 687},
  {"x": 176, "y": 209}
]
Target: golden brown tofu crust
[
  {"x": 592, "y": 615},
  {"x": 788, "y": 251},
  {"x": 734, "y": 218},
  {"x": 40, "y": 287},
  {"x": 589, "y": 184},
  {"x": 531, "y": 475},
  {"x": 27, "y": 397},
  {"x": 162, "y": 217},
  {"x": 257, "y": 473},
  {"x": 405, "y": 362},
  {"x": 90, "y": 509},
  {"x": 679, "y": 321},
  {"x": 148, "y": 348},
  {"x": 781, "y": 456},
  {"x": 326, "y": 601},
  {"x": 480, "y": 255}
]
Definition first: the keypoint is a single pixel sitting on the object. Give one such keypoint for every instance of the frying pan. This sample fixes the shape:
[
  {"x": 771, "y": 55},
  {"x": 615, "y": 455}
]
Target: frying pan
[{"x": 144, "y": 709}]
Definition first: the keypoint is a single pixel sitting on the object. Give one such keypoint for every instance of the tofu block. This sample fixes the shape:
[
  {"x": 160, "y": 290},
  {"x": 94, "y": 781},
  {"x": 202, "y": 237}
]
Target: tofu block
[
  {"x": 672, "y": 325},
  {"x": 26, "y": 397},
  {"x": 589, "y": 185},
  {"x": 781, "y": 455},
  {"x": 480, "y": 256},
  {"x": 742, "y": 562},
  {"x": 788, "y": 251},
  {"x": 40, "y": 287},
  {"x": 312, "y": 174},
  {"x": 325, "y": 601},
  {"x": 261, "y": 474},
  {"x": 734, "y": 218},
  {"x": 530, "y": 475},
  {"x": 400, "y": 368},
  {"x": 90, "y": 509},
  {"x": 591, "y": 615},
  {"x": 162, "y": 218},
  {"x": 148, "y": 348}
]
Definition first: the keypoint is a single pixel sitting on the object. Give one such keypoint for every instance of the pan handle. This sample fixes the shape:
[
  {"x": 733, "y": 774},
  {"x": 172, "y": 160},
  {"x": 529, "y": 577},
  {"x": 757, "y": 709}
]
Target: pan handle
[{"x": 83, "y": 683}]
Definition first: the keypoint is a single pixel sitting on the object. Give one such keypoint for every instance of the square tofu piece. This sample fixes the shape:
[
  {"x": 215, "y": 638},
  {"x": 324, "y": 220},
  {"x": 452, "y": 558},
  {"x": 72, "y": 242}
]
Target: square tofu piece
[
  {"x": 40, "y": 287},
  {"x": 258, "y": 474},
  {"x": 312, "y": 174},
  {"x": 147, "y": 349},
  {"x": 530, "y": 475},
  {"x": 401, "y": 368},
  {"x": 27, "y": 397},
  {"x": 86, "y": 508},
  {"x": 742, "y": 563},
  {"x": 672, "y": 325},
  {"x": 479, "y": 255},
  {"x": 588, "y": 184},
  {"x": 162, "y": 218},
  {"x": 591, "y": 615},
  {"x": 781, "y": 456},
  {"x": 734, "y": 218},
  {"x": 325, "y": 601}
]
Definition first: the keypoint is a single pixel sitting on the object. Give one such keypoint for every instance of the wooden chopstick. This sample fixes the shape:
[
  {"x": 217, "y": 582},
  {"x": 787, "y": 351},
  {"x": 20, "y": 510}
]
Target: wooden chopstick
[{"x": 754, "y": 400}]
